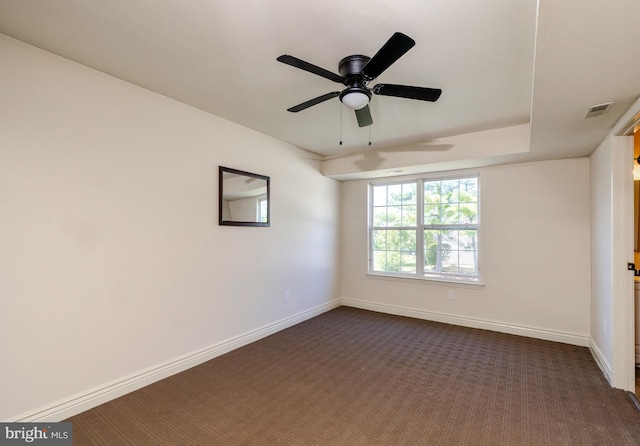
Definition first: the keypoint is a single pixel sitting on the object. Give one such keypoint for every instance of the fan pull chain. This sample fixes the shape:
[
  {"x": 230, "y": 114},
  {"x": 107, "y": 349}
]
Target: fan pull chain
[
  {"x": 340, "y": 105},
  {"x": 369, "y": 134}
]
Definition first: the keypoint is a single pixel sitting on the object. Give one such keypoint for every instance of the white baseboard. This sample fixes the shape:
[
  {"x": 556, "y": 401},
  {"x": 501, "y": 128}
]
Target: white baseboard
[
  {"x": 601, "y": 360},
  {"x": 531, "y": 332},
  {"x": 81, "y": 402}
]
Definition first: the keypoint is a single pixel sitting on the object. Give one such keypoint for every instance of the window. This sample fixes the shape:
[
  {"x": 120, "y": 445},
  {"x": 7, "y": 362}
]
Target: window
[
  {"x": 263, "y": 213},
  {"x": 425, "y": 228}
]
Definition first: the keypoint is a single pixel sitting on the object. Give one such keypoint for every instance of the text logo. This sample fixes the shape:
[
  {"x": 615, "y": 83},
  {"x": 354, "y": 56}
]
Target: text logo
[{"x": 60, "y": 434}]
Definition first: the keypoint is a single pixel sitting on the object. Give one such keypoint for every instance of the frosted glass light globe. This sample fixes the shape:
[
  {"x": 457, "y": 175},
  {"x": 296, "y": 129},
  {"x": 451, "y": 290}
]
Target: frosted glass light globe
[{"x": 355, "y": 100}]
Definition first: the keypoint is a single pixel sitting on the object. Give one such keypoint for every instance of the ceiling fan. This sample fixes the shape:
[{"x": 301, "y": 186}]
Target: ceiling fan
[{"x": 357, "y": 71}]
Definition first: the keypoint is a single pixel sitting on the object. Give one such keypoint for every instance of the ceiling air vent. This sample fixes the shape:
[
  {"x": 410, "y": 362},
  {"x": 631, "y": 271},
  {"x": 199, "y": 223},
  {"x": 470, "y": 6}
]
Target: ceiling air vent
[{"x": 597, "y": 110}]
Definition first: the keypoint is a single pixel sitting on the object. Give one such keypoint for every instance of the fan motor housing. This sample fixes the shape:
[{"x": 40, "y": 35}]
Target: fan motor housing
[{"x": 350, "y": 68}]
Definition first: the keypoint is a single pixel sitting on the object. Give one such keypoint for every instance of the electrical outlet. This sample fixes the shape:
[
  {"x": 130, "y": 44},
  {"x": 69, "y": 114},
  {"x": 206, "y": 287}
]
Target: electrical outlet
[
  {"x": 451, "y": 295},
  {"x": 286, "y": 297}
]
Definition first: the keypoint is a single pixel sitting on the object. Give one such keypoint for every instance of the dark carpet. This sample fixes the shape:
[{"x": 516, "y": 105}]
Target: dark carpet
[{"x": 354, "y": 377}]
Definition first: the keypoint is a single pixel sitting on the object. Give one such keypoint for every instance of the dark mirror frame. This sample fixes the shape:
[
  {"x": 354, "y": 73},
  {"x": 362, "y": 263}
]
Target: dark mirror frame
[{"x": 221, "y": 171}]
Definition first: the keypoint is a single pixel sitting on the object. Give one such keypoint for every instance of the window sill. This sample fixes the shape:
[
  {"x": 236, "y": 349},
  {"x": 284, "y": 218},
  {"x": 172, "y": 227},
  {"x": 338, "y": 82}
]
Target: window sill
[{"x": 427, "y": 280}]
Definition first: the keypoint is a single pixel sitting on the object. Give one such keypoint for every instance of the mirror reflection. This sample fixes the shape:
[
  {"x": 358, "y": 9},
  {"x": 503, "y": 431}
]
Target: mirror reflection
[{"x": 243, "y": 198}]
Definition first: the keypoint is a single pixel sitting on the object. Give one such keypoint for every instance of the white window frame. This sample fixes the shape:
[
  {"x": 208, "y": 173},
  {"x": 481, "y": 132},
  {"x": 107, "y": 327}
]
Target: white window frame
[{"x": 420, "y": 227}]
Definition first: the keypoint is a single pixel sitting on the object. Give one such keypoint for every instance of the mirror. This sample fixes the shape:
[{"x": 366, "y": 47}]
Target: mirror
[{"x": 243, "y": 198}]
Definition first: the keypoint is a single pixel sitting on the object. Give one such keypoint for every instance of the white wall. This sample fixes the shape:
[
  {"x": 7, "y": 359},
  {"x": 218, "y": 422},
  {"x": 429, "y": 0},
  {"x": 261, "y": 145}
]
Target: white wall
[
  {"x": 535, "y": 256},
  {"x": 111, "y": 259}
]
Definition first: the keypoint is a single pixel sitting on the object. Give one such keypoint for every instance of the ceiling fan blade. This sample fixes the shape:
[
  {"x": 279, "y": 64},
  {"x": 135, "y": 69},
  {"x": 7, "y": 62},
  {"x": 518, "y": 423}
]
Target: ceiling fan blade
[
  {"x": 391, "y": 51},
  {"x": 306, "y": 66},
  {"x": 314, "y": 101},
  {"x": 364, "y": 116},
  {"x": 406, "y": 91}
]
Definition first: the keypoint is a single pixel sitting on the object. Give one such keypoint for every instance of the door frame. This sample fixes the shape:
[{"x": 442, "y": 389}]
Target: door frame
[{"x": 623, "y": 241}]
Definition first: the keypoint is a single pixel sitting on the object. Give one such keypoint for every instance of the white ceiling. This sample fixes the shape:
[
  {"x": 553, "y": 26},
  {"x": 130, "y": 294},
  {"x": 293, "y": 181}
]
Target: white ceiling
[{"x": 500, "y": 63}]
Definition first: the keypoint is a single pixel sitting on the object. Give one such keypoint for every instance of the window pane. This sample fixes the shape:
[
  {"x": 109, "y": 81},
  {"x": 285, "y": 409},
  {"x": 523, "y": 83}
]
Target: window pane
[
  {"x": 469, "y": 187},
  {"x": 468, "y": 262},
  {"x": 449, "y": 240},
  {"x": 409, "y": 195},
  {"x": 432, "y": 192},
  {"x": 393, "y": 261},
  {"x": 395, "y": 194},
  {"x": 430, "y": 260},
  {"x": 451, "y": 252},
  {"x": 468, "y": 213},
  {"x": 379, "y": 260},
  {"x": 394, "y": 250},
  {"x": 394, "y": 215},
  {"x": 404, "y": 240},
  {"x": 408, "y": 241},
  {"x": 468, "y": 239},
  {"x": 434, "y": 252},
  {"x": 458, "y": 198},
  {"x": 450, "y": 263},
  {"x": 379, "y": 195},
  {"x": 380, "y": 217},
  {"x": 379, "y": 240},
  {"x": 393, "y": 240},
  {"x": 409, "y": 216},
  {"x": 431, "y": 239},
  {"x": 439, "y": 246},
  {"x": 450, "y": 191},
  {"x": 409, "y": 262},
  {"x": 432, "y": 214},
  {"x": 395, "y": 205},
  {"x": 449, "y": 213}
]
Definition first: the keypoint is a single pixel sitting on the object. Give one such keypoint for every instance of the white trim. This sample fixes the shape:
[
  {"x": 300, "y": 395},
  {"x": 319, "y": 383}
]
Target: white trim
[
  {"x": 530, "y": 332},
  {"x": 628, "y": 297},
  {"x": 622, "y": 281},
  {"x": 623, "y": 373},
  {"x": 78, "y": 403},
  {"x": 625, "y": 125},
  {"x": 601, "y": 360},
  {"x": 430, "y": 280}
]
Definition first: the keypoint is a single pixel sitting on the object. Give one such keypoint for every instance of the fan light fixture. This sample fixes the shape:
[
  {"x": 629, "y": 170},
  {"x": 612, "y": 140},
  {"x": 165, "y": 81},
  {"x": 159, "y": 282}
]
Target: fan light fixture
[
  {"x": 355, "y": 97},
  {"x": 355, "y": 100}
]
